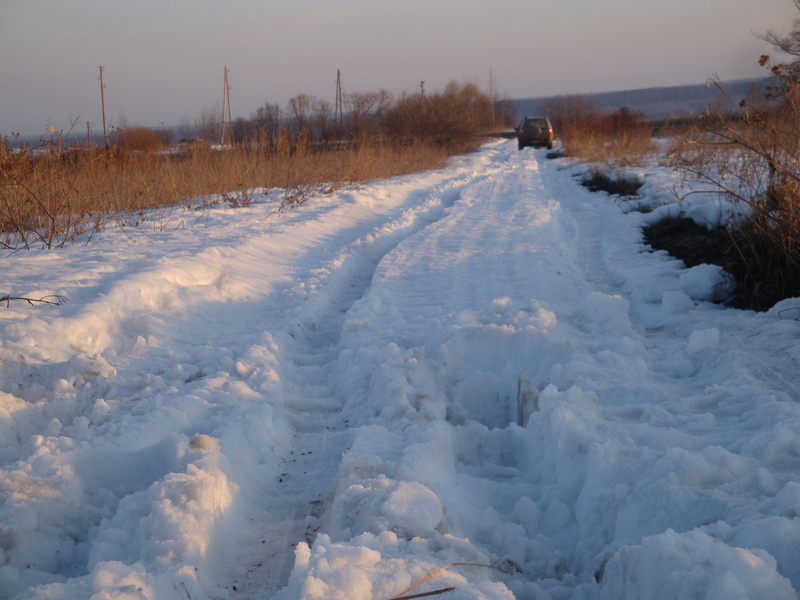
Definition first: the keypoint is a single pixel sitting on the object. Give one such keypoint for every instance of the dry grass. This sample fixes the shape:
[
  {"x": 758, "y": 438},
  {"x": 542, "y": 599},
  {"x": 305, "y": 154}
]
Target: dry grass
[
  {"x": 617, "y": 139},
  {"x": 751, "y": 156},
  {"x": 625, "y": 149},
  {"x": 54, "y": 197}
]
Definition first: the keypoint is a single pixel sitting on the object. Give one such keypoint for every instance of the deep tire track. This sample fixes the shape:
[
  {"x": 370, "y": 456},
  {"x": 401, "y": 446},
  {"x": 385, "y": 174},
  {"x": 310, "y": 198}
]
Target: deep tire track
[{"x": 294, "y": 506}]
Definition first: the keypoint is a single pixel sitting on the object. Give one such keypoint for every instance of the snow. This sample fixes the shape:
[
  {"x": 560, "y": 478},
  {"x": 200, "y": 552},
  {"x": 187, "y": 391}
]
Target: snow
[
  {"x": 706, "y": 282},
  {"x": 480, "y": 365}
]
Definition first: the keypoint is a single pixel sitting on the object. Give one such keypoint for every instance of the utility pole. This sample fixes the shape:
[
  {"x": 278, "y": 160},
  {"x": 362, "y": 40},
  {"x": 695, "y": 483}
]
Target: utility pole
[
  {"x": 103, "y": 103},
  {"x": 338, "y": 111},
  {"x": 226, "y": 106},
  {"x": 88, "y": 133},
  {"x": 492, "y": 95},
  {"x": 422, "y": 88}
]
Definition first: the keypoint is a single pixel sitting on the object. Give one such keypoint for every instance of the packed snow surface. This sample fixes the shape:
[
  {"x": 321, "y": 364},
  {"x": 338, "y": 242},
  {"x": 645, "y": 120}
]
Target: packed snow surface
[{"x": 481, "y": 364}]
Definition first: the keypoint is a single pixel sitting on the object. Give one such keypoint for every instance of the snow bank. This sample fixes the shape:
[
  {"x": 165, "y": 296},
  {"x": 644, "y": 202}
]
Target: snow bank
[{"x": 692, "y": 565}]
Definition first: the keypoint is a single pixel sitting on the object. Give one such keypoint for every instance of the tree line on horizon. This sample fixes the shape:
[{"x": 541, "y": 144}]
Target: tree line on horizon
[{"x": 459, "y": 111}]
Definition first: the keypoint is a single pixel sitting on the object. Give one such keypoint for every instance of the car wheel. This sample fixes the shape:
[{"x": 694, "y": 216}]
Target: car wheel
[{"x": 521, "y": 145}]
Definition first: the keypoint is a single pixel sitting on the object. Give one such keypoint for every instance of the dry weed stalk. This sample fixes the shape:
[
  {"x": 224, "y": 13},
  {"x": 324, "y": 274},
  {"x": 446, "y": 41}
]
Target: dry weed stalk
[{"x": 433, "y": 573}]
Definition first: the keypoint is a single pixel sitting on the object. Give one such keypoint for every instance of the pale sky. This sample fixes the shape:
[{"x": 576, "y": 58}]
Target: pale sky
[{"x": 164, "y": 59}]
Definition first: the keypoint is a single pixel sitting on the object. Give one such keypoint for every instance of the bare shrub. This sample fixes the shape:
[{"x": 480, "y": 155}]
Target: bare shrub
[
  {"x": 365, "y": 111},
  {"x": 458, "y": 112},
  {"x": 619, "y": 138},
  {"x": 209, "y": 126},
  {"x": 572, "y": 118},
  {"x": 450, "y": 118},
  {"x": 265, "y": 126},
  {"x": 243, "y": 130},
  {"x": 750, "y": 154},
  {"x": 141, "y": 139},
  {"x": 38, "y": 192},
  {"x": 309, "y": 116}
]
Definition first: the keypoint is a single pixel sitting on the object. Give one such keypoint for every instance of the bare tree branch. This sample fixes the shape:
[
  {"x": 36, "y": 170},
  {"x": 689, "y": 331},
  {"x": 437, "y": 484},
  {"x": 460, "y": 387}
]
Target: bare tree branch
[{"x": 51, "y": 300}]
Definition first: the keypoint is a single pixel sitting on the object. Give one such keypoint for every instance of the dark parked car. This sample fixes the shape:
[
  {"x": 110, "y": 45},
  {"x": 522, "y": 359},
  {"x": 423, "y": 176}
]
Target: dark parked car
[{"x": 536, "y": 132}]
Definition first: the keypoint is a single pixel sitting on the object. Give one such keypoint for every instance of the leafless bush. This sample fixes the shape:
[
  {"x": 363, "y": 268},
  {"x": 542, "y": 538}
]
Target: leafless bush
[
  {"x": 619, "y": 138},
  {"x": 141, "y": 139},
  {"x": 365, "y": 111},
  {"x": 309, "y": 116},
  {"x": 750, "y": 154},
  {"x": 263, "y": 127},
  {"x": 39, "y": 190},
  {"x": 209, "y": 125},
  {"x": 449, "y": 118}
]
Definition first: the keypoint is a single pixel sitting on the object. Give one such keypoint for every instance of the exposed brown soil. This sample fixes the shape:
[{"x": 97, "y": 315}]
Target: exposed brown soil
[
  {"x": 688, "y": 241},
  {"x": 599, "y": 181}
]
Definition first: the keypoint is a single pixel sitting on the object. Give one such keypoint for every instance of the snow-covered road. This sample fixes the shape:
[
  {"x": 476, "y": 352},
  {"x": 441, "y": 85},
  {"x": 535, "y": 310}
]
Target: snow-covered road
[{"x": 324, "y": 403}]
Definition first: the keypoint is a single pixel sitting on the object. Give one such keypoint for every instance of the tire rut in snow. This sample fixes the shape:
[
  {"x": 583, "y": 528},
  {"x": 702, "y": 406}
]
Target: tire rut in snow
[{"x": 294, "y": 506}]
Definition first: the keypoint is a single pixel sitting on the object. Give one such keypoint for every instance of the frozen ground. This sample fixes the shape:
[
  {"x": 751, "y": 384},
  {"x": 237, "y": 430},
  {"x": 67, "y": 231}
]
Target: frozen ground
[{"x": 324, "y": 403}]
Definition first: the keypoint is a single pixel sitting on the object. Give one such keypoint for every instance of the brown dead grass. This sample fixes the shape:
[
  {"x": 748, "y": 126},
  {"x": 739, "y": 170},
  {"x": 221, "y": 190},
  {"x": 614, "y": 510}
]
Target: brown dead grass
[
  {"x": 622, "y": 150},
  {"x": 57, "y": 195},
  {"x": 53, "y": 197},
  {"x": 617, "y": 139}
]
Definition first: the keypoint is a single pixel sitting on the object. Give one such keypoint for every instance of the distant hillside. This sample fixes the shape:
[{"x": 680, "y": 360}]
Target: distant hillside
[{"x": 656, "y": 103}]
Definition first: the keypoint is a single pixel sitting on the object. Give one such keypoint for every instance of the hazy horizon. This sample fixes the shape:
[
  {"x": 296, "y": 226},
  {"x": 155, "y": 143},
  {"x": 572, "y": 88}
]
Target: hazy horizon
[{"x": 164, "y": 60}]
